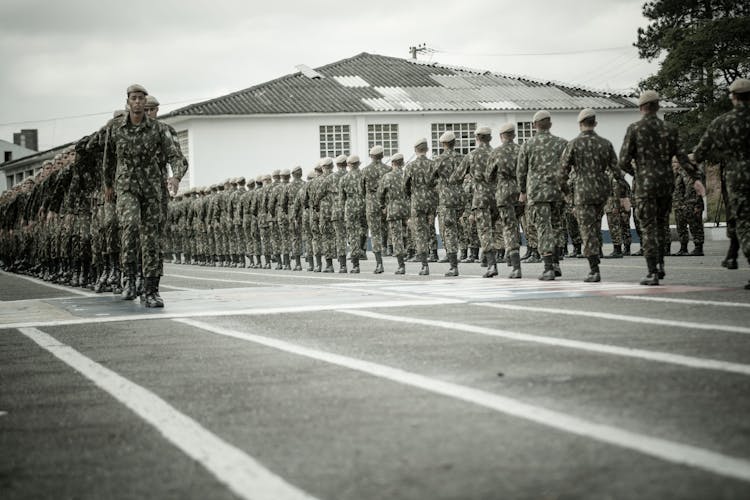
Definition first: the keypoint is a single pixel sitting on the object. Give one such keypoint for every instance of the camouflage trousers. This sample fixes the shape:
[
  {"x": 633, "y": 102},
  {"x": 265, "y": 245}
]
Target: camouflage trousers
[
  {"x": 506, "y": 226},
  {"x": 738, "y": 200},
  {"x": 485, "y": 228},
  {"x": 375, "y": 224},
  {"x": 572, "y": 226},
  {"x": 449, "y": 230},
  {"x": 529, "y": 229},
  {"x": 327, "y": 236},
  {"x": 590, "y": 223},
  {"x": 396, "y": 233},
  {"x": 690, "y": 221},
  {"x": 339, "y": 228},
  {"x": 615, "y": 229},
  {"x": 295, "y": 237},
  {"x": 317, "y": 237},
  {"x": 140, "y": 216},
  {"x": 469, "y": 235},
  {"x": 307, "y": 234},
  {"x": 548, "y": 221},
  {"x": 653, "y": 214},
  {"x": 356, "y": 230},
  {"x": 111, "y": 229},
  {"x": 266, "y": 239},
  {"x": 422, "y": 237},
  {"x": 627, "y": 238}
]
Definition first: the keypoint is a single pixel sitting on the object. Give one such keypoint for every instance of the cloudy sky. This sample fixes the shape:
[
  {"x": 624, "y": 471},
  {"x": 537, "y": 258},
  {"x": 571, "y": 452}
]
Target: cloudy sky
[{"x": 65, "y": 65}]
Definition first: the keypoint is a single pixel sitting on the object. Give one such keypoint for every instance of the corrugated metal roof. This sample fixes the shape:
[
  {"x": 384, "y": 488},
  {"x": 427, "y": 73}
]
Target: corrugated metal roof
[{"x": 370, "y": 82}]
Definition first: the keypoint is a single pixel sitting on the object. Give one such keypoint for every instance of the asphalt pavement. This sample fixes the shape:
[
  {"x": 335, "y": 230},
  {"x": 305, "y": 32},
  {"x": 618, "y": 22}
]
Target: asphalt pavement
[{"x": 265, "y": 384}]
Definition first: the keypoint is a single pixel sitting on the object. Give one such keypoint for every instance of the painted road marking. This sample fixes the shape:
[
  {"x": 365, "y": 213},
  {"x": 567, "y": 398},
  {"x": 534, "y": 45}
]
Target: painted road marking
[
  {"x": 661, "y": 357},
  {"x": 686, "y": 301},
  {"x": 77, "y": 291},
  {"x": 240, "y": 472},
  {"x": 621, "y": 317},
  {"x": 260, "y": 311},
  {"x": 670, "y": 451}
]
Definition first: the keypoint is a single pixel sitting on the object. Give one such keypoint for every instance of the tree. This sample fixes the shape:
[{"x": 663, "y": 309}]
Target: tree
[{"x": 707, "y": 46}]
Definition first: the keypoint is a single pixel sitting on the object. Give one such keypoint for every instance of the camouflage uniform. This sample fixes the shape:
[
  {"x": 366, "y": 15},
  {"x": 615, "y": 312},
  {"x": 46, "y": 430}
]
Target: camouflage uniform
[
  {"x": 691, "y": 216},
  {"x": 593, "y": 162},
  {"x": 392, "y": 196},
  {"x": 646, "y": 154},
  {"x": 725, "y": 140},
  {"x": 353, "y": 199},
  {"x": 294, "y": 217},
  {"x": 327, "y": 192},
  {"x": 477, "y": 165},
  {"x": 450, "y": 204},
  {"x": 337, "y": 215},
  {"x": 502, "y": 172},
  {"x": 372, "y": 175},
  {"x": 419, "y": 180}
]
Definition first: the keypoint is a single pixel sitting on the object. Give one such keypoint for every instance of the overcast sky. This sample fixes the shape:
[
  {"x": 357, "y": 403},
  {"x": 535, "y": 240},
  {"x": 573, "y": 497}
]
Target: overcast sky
[{"x": 64, "y": 66}]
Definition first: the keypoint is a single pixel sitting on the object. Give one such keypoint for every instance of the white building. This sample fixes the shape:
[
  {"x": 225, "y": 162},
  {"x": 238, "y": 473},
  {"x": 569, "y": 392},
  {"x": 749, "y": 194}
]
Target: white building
[
  {"x": 11, "y": 152},
  {"x": 350, "y": 105}
]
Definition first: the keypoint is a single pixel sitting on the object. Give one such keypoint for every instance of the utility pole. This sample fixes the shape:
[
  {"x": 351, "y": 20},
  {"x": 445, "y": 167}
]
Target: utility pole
[{"x": 421, "y": 48}]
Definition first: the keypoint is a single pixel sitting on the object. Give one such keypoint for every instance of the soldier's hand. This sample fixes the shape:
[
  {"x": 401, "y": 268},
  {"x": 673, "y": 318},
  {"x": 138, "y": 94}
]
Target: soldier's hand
[
  {"x": 625, "y": 203},
  {"x": 700, "y": 188},
  {"x": 522, "y": 198},
  {"x": 173, "y": 185},
  {"x": 109, "y": 194}
]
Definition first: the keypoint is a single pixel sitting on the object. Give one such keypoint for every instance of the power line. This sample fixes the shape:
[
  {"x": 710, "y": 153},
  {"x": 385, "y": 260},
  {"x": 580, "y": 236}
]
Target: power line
[{"x": 525, "y": 54}]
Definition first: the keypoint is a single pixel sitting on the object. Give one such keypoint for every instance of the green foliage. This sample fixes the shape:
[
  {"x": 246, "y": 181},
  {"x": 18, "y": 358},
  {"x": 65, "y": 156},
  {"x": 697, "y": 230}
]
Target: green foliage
[{"x": 706, "y": 45}]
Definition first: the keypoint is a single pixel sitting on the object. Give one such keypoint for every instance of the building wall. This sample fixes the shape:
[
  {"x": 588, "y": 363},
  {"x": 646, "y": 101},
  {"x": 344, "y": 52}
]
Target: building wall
[
  {"x": 15, "y": 152},
  {"x": 253, "y": 145}
]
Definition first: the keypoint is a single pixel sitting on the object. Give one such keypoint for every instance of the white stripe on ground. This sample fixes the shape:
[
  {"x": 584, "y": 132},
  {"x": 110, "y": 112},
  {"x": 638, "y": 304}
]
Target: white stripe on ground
[
  {"x": 77, "y": 291},
  {"x": 621, "y": 317},
  {"x": 686, "y": 301},
  {"x": 231, "y": 466},
  {"x": 670, "y": 451},
  {"x": 661, "y": 357},
  {"x": 277, "y": 274},
  {"x": 260, "y": 311}
]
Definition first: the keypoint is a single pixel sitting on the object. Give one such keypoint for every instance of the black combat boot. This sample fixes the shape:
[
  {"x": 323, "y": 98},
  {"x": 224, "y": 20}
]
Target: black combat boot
[
  {"x": 534, "y": 258},
  {"x": 378, "y": 263},
  {"x": 576, "y": 251},
  {"x": 483, "y": 260},
  {"x": 114, "y": 281},
  {"x": 683, "y": 251},
  {"x": 389, "y": 251},
  {"x": 453, "y": 259},
  {"x": 652, "y": 278},
  {"x": 626, "y": 249},
  {"x": 329, "y": 266},
  {"x": 411, "y": 255},
  {"x": 287, "y": 262},
  {"x": 616, "y": 252},
  {"x": 527, "y": 254},
  {"x": 425, "y": 271},
  {"x": 515, "y": 261},
  {"x": 268, "y": 262},
  {"x": 355, "y": 265},
  {"x": 660, "y": 267},
  {"x": 401, "y": 266},
  {"x": 560, "y": 252},
  {"x": 462, "y": 256},
  {"x": 593, "y": 276},
  {"x": 152, "y": 297},
  {"x": 500, "y": 256},
  {"x": 297, "y": 263},
  {"x": 556, "y": 262},
  {"x": 75, "y": 275},
  {"x": 697, "y": 250},
  {"x": 318, "y": 264},
  {"x": 310, "y": 265},
  {"x": 342, "y": 264},
  {"x": 470, "y": 256},
  {"x": 730, "y": 261},
  {"x": 433, "y": 256},
  {"x": 279, "y": 265},
  {"x": 129, "y": 289},
  {"x": 549, "y": 270},
  {"x": 491, "y": 264}
]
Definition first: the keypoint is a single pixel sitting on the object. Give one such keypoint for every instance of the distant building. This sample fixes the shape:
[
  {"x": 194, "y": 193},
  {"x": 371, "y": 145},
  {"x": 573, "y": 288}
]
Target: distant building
[
  {"x": 27, "y": 138},
  {"x": 11, "y": 152},
  {"x": 15, "y": 171},
  {"x": 350, "y": 105}
]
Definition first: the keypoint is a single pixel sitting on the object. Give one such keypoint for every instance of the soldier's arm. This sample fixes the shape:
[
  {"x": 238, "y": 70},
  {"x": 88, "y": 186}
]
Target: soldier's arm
[{"x": 627, "y": 152}]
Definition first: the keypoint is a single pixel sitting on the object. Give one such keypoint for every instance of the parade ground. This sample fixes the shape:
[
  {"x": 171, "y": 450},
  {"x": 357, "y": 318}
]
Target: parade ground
[{"x": 269, "y": 385}]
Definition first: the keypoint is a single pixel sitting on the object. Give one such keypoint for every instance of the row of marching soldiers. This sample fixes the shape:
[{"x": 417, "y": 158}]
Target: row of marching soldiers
[{"x": 61, "y": 226}]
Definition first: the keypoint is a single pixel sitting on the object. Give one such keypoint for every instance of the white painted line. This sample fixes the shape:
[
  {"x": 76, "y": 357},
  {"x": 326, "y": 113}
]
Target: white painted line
[
  {"x": 621, "y": 317},
  {"x": 178, "y": 288},
  {"x": 281, "y": 274},
  {"x": 661, "y": 357},
  {"x": 260, "y": 311},
  {"x": 241, "y": 473},
  {"x": 670, "y": 451},
  {"x": 685, "y": 301},
  {"x": 78, "y": 291}
]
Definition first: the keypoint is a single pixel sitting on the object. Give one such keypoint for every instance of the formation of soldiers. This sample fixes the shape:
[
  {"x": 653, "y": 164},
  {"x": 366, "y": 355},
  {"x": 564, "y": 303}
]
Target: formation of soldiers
[{"x": 61, "y": 227}]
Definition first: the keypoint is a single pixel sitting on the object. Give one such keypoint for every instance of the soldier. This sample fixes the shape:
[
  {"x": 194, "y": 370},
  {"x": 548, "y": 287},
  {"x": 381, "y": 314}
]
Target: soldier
[
  {"x": 593, "y": 161},
  {"x": 301, "y": 207},
  {"x": 726, "y": 139},
  {"x": 372, "y": 175},
  {"x": 691, "y": 220},
  {"x": 450, "y": 197},
  {"x": 237, "y": 234},
  {"x": 652, "y": 144},
  {"x": 571, "y": 222},
  {"x": 353, "y": 198},
  {"x": 539, "y": 182},
  {"x": 502, "y": 172},
  {"x": 678, "y": 209},
  {"x": 294, "y": 217},
  {"x": 612, "y": 209},
  {"x": 264, "y": 225},
  {"x": 391, "y": 195},
  {"x": 337, "y": 214},
  {"x": 327, "y": 191},
  {"x": 419, "y": 179},
  {"x": 282, "y": 221},
  {"x": 134, "y": 166}
]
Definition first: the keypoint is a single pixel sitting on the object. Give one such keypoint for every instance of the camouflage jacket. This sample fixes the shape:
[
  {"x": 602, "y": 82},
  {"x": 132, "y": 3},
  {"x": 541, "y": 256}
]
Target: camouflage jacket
[
  {"x": 646, "y": 154},
  {"x": 476, "y": 164},
  {"x": 353, "y": 194},
  {"x": 293, "y": 190},
  {"x": 372, "y": 175},
  {"x": 391, "y": 195},
  {"x": 593, "y": 161},
  {"x": 327, "y": 192},
  {"x": 502, "y": 173},
  {"x": 450, "y": 189},
  {"x": 337, "y": 212},
  {"x": 726, "y": 141},
  {"x": 419, "y": 181},
  {"x": 538, "y": 168}
]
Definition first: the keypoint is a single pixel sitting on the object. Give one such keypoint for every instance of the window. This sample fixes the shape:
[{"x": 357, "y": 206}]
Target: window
[
  {"x": 525, "y": 131},
  {"x": 334, "y": 140},
  {"x": 8, "y": 155},
  {"x": 9, "y": 181},
  {"x": 465, "y": 140},
  {"x": 384, "y": 134}
]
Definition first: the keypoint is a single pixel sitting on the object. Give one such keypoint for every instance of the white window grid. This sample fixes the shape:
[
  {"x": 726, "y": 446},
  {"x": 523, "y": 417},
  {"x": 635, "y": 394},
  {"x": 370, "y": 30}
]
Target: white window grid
[
  {"x": 383, "y": 134},
  {"x": 525, "y": 131},
  {"x": 334, "y": 140},
  {"x": 465, "y": 139}
]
